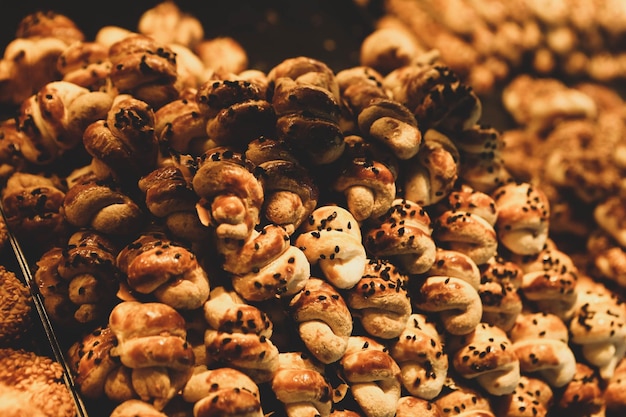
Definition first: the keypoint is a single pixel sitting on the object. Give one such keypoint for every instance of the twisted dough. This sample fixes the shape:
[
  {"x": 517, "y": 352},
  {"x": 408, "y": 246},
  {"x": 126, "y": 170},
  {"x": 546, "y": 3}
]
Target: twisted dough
[
  {"x": 367, "y": 178},
  {"x": 55, "y": 117},
  {"x": 377, "y": 115},
  {"x": 102, "y": 206},
  {"x": 299, "y": 383},
  {"x": 432, "y": 173},
  {"x": 486, "y": 356},
  {"x": 156, "y": 265},
  {"x": 523, "y": 217},
  {"x": 373, "y": 376},
  {"x": 598, "y": 326},
  {"x": 540, "y": 341},
  {"x": 466, "y": 224},
  {"x": 435, "y": 95},
  {"x": 615, "y": 389},
  {"x": 380, "y": 300},
  {"x": 531, "y": 398},
  {"x": 290, "y": 193},
  {"x": 583, "y": 395},
  {"x": 180, "y": 126},
  {"x": 123, "y": 145},
  {"x": 409, "y": 406},
  {"x": 498, "y": 290},
  {"x": 331, "y": 239},
  {"x": 266, "y": 265},
  {"x": 151, "y": 341},
  {"x": 167, "y": 23},
  {"x": 33, "y": 208},
  {"x": 420, "y": 354},
  {"x": 236, "y": 112},
  {"x": 222, "y": 392},
  {"x": 231, "y": 197},
  {"x": 305, "y": 95},
  {"x": 144, "y": 68},
  {"x": 323, "y": 318},
  {"x": 169, "y": 195},
  {"x": 404, "y": 235},
  {"x": 465, "y": 401},
  {"x": 86, "y": 64}
]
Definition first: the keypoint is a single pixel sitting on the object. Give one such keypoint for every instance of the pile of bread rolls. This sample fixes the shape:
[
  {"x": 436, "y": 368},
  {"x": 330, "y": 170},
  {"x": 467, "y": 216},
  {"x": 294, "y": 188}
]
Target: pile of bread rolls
[{"x": 210, "y": 239}]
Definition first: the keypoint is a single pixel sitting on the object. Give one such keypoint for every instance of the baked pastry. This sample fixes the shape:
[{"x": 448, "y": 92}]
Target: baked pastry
[
  {"x": 464, "y": 222},
  {"x": 79, "y": 279},
  {"x": 167, "y": 23},
  {"x": 598, "y": 326},
  {"x": 540, "y": 342},
  {"x": 419, "y": 351},
  {"x": 91, "y": 363},
  {"x": 236, "y": 111},
  {"x": 380, "y": 300},
  {"x": 485, "y": 355},
  {"x": 123, "y": 145},
  {"x": 13, "y": 150},
  {"x": 523, "y": 217},
  {"x": 165, "y": 270},
  {"x": 435, "y": 95},
  {"x": 265, "y": 265},
  {"x": 170, "y": 197},
  {"x": 323, "y": 319},
  {"x": 290, "y": 193},
  {"x": 16, "y": 301},
  {"x": 404, "y": 235},
  {"x": 549, "y": 281},
  {"x": 300, "y": 385},
  {"x": 231, "y": 197},
  {"x": 500, "y": 281},
  {"x": 377, "y": 115},
  {"x": 86, "y": 64},
  {"x": 222, "y": 392},
  {"x": 135, "y": 407},
  {"x": 367, "y": 175},
  {"x": 614, "y": 391},
  {"x": 532, "y": 397},
  {"x": 433, "y": 172},
  {"x": 40, "y": 379},
  {"x": 239, "y": 336},
  {"x": 33, "y": 209},
  {"x": 372, "y": 375},
  {"x": 331, "y": 240},
  {"x": 102, "y": 205},
  {"x": 583, "y": 395},
  {"x": 463, "y": 400},
  {"x": 180, "y": 127},
  {"x": 222, "y": 55},
  {"x": 151, "y": 341},
  {"x": 454, "y": 301},
  {"x": 409, "y": 406},
  {"x": 144, "y": 68},
  {"x": 305, "y": 96}
]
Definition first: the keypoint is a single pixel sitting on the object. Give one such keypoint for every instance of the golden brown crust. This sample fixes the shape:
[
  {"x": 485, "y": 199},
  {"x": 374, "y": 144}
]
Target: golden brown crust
[
  {"x": 324, "y": 320},
  {"x": 49, "y": 24},
  {"x": 532, "y": 397},
  {"x": 16, "y": 306},
  {"x": 583, "y": 395},
  {"x": 500, "y": 281}
]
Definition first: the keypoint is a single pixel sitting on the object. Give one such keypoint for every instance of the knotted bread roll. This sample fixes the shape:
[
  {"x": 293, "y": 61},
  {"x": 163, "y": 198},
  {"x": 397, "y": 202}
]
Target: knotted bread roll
[
  {"x": 532, "y": 397},
  {"x": 419, "y": 351},
  {"x": 323, "y": 318},
  {"x": 498, "y": 290}
]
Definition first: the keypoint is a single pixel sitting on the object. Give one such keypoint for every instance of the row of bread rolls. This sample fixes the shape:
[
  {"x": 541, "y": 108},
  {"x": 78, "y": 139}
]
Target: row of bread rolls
[
  {"x": 301, "y": 241},
  {"x": 488, "y": 41}
]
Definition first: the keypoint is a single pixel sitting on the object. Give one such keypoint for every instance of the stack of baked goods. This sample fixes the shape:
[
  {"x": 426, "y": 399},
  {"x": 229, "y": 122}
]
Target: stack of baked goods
[{"x": 212, "y": 239}]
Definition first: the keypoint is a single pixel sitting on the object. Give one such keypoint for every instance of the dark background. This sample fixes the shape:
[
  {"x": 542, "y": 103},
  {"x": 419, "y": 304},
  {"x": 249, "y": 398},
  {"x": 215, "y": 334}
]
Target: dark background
[{"x": 270, "y": 31}]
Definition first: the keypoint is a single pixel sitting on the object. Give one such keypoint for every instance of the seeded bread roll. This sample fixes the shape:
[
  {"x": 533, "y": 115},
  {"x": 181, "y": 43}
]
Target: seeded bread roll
[
  {"x": 495, "y": 367},
  {"x": 464, "y": 399},
  {"x": 123, "y": 145},
  {"x": 419, "y": 351},
  {"x": 151, "y": 341},
  {"x": 290, "y": 192},
  {"x": 532, "y": 397},
  {"x": 323, "y": 319},
  {"x": 331, "y": 240},
  {"x": 17, "y": 306},
  {"x": 409, "y": 406},
  {"x": 180, "y": 127},
  {"x": 221, "y": 392},
  {"x": 86, "y": 64},
  {"x": 540, "y": 341},
  {"x": 102, "y": 206},
  {"x": 372, "y": 375},
  {"x": 614, "y": 392},
  {"x": 583, "y": 395},
  {"x": 499, "y": 292},
  {"x": 403, "y": 234},
  {"x": 231, "y": 197},
  {"x": 380, "y": 300},
  {"x": 300, "y": 385},
  {"x": 167, "y": 271}
]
